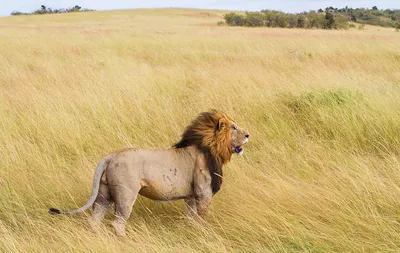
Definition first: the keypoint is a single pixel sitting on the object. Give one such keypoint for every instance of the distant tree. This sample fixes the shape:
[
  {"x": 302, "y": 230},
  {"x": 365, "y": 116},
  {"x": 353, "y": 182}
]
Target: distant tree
[
  {"x": 74, "y": 9},
  {"x": 269, "y": 18},
  {"x": 292, "y": 21},
  {"x": 301, "y": 21},
  {"x": 16, "y": 13},
  {"x": 310, "y": 21},
  {"x": 281, "y": 20},
  {"x": 330, "y": 9},
  {"x": 329, "y": 17},
  {"x": 375, "y": 8},
  {"x": 320, "y": 10},
  {"x": 44, "y": 10}
]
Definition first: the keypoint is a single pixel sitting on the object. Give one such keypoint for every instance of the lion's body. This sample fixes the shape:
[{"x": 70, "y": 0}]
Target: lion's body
[
  {"x": 191, "y": 170},
  {"x": 164, "y": 174}
]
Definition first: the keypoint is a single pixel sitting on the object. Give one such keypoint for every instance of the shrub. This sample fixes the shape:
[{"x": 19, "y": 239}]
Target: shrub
[
  {"x": 316, "y": 20},
  {"x": 254, "y": 19},
  {"x": 397, "y": 26},
  {"x": 332, "y": 18},
  {"x": 234, "y": 19},
  {"x": 228, "y": 17},
  {"x": 15, "y": 13},
  {"x": 340, "y": 22},
  {"x": 276, "y": 18},
  {"x": 220, "y": 23}
]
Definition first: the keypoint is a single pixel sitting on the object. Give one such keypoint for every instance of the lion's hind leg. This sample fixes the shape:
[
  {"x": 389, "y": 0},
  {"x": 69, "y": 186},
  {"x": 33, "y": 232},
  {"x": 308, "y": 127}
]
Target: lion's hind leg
[
  {"x": 124, "y": 198},
  {"x": 100, "y": 207}
]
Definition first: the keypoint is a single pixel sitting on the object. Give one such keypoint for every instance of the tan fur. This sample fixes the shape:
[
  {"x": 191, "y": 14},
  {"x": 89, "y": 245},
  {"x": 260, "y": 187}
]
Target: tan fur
[{"x": 191, "y": 170}]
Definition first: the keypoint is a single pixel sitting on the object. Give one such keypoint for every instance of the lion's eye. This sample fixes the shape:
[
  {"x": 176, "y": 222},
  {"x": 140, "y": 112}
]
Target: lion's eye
[{"x": 234, "y": 128}]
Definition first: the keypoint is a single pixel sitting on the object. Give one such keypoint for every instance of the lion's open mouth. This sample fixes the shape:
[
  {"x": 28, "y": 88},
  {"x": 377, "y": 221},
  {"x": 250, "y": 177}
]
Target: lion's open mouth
[{"x": 237, "y": 149}]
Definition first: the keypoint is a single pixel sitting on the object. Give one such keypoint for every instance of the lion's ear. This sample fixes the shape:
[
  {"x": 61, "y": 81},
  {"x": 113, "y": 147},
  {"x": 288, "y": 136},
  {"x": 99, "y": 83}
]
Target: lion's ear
[{"x": 221, "y": 124}]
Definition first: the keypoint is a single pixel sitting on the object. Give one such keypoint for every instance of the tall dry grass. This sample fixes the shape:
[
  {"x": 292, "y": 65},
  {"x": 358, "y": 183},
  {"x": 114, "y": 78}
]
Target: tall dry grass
[{"x": 321, "y": 172}]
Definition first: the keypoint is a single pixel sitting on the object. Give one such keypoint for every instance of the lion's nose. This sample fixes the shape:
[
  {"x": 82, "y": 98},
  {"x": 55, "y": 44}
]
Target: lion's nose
[{"x": 247, "y": 135}]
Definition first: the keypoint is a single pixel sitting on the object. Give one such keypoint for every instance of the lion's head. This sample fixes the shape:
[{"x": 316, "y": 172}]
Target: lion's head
[{"x": 218, "y": 137}]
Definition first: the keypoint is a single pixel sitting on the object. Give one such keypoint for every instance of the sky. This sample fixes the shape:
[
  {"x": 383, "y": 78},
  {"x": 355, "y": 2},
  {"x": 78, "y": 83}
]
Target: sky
[{"x": 244, "y": 5}]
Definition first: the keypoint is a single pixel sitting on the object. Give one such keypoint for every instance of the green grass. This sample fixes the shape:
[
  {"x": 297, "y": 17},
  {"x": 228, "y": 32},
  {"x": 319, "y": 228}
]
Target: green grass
[{"x": 321, "y": 170}]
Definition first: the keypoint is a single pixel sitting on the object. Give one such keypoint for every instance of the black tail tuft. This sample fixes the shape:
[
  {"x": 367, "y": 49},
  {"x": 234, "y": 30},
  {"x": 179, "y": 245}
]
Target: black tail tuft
[{"x": 54, "y": 211}]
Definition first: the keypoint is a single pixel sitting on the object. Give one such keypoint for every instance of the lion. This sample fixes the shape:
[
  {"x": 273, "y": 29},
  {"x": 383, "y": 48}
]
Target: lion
[{"x": 190, "y": 170}]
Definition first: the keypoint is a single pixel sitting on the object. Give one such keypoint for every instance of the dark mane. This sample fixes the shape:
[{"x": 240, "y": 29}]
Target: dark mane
[{"x": 212, "y": 138}]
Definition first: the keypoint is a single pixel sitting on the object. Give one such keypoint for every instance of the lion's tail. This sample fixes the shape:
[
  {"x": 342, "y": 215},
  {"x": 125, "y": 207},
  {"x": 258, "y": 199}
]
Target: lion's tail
[{"x": 101, "y": 167}]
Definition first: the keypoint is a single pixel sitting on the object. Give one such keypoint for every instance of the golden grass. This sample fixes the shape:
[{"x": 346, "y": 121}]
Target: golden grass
[{"x": 321, "y": 172}]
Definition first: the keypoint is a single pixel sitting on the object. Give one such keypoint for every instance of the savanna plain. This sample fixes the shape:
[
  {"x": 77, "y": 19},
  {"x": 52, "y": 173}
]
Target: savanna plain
[{"x": 321, "y": 172}]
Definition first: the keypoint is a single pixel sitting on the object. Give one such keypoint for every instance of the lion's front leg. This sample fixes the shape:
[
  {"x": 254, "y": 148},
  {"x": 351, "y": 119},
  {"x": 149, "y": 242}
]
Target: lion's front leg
[
  {"x": 191, "y": 208},
  {"x": 203, "y": 193},
  {"x": 202, "y": 204},
  {"x": 202, "y": 187}
]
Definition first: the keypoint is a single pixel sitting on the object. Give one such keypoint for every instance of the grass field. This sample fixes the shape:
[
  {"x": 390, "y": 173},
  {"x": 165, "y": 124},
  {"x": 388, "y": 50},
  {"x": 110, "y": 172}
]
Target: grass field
[{"x": 321, "y": 172}]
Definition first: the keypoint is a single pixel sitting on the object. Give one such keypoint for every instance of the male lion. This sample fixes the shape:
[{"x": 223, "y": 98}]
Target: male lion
[{"x": 191, "y": 170}]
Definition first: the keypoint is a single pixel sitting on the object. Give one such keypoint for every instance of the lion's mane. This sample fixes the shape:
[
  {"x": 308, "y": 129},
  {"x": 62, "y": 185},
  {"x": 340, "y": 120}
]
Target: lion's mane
[{"x": 210, "y": 133}]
